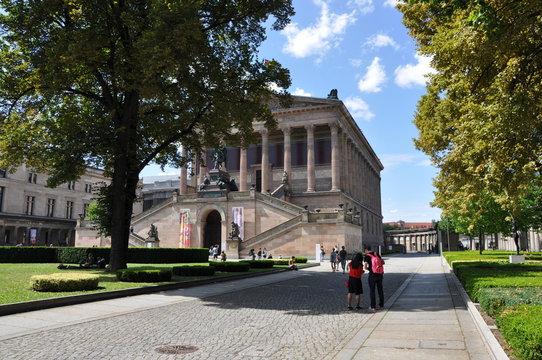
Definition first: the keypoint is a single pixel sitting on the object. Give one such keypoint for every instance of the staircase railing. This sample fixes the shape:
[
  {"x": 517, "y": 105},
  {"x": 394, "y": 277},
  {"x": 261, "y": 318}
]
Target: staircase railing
[{"x": 274, "y": 231}]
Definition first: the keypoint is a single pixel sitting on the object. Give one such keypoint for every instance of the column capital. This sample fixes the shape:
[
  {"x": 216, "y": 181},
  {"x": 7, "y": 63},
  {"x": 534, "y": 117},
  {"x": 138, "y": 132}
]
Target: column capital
[
  {"x": 309, "y": 127},
  {"x": 286, "y": 130},
  {"x": 334, "y": 126},
  {"x": 263, "y": 131}
]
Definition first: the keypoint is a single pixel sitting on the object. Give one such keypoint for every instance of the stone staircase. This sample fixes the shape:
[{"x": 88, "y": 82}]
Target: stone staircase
[
  {"x": 136, "y": 241},
  {"x": 271, "y": 234}
]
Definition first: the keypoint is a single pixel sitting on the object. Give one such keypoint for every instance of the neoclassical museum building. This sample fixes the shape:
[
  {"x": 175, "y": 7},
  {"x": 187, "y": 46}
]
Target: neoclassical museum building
[{"x": 312, "y": 181}]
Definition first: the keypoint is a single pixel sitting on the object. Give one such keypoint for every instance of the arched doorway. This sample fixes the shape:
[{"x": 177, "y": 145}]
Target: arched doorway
[{"x": 213, "y": 230}]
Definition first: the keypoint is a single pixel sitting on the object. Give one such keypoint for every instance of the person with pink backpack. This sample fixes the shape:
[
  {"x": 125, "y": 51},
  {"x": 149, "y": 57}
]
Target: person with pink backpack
[{"x": 375, "y": 265}]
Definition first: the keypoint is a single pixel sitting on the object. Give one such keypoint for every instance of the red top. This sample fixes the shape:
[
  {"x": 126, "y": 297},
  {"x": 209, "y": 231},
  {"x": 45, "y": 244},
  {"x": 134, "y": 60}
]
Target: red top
[{"x": 355, "y": 273}]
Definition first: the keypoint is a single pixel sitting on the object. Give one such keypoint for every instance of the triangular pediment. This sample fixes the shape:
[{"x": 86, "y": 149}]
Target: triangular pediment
[{"x": 299, "y": 102}]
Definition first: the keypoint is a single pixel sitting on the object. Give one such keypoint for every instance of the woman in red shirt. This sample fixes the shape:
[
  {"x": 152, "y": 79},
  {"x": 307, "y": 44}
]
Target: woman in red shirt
[{"x": 355, "y": 269}]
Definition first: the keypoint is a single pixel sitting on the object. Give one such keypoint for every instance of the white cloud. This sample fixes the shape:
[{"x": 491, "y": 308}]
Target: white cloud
[
  {"x": 273, "y": 86},
  {"x": 356, "y": 62},
  {"x": 393, "y": 211},
  {"x": 414, "y": 74},
  {"x": 301, "y": 92},
  {"x": 391, "y": 3},
  {"x": 392, "y": 160},
  {"x": 358, "y": 108},
  {"x": 381, "y": 40},
  {"x": 364, "y": 6},
  {"x": 373, "y": 78},
  {"x": 319, "y": 38}
]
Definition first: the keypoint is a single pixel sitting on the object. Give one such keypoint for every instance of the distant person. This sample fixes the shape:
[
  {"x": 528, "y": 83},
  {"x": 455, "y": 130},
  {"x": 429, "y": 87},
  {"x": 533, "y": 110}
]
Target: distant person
[
  {"x": 223, "y": 256},
  {"x": 292, "y": 264},
  {"x": 322, "y": 253},
  {"x": 270, "y": 256},
  {"x": 215, "y": 252},
  {"x": 252, "y": 254},
  {"x": 90, "y": 261},
  {"x": 375, "y": 265},
  {"x": 333, "y": 260},
  {"x": 355, "y": 270},
  {"x": 260, "y": 254},
  {"x": 264, "y": 253},
  {"x": 342, "y": 258}
]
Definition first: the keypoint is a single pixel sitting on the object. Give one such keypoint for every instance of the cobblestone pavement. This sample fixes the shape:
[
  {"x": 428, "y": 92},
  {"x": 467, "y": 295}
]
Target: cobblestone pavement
[{"x": 301, "y": 318}]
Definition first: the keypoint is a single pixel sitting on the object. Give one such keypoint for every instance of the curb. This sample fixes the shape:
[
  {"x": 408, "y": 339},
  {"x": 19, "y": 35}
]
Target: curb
[
  {"x": 15, "y": 308},
  {"x": 489, "y": 339}
]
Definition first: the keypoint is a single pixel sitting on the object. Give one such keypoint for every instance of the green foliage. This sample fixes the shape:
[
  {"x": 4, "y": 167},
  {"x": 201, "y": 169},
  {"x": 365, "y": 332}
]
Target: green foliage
[
  {"x": 118, "y": 85},
  {"x": 489, "y": 255},
  {"x": 480, "y": 120},
  {"x": 77, "y": 255},
  {"x": 64, "y": 282},
  {"x": 301, "y": 260},
  {"x": 226, "y": 266},
  {"x": 494, "y": 300},
  {"x": 521, "y": 328},
  {"x": 193, "y": 270},
  {"x": 259, "y": 264},
  {"x": 140, "y": 276},
  {"x": 167, "y": 255},
  {"x": 27, "y": 254}
]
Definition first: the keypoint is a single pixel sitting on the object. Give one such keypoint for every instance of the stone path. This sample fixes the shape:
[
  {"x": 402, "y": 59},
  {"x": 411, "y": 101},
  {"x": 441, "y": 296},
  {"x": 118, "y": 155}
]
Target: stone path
[{"x": 292, "y": 315}]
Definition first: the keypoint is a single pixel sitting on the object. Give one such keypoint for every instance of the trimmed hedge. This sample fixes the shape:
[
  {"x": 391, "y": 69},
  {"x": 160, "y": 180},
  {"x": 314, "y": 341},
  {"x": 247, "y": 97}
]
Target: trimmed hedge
[
  {"x": 193, "y": 270},
  {"x": 226, "y": 266},
  {"x": 259, "y": 264},
  {"x": 494, "y": 300},
  {"x": 298, "y": 260},
  {"x": 521, "y": 328},
  {"x": 150, "y": 276},
  {"x": 76, "y": 255},
  {"x": 64, "y": 282}
]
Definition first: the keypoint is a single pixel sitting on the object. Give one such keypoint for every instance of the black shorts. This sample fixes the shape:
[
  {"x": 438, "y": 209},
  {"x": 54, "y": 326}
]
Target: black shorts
[{"x": 354, "y": 285}]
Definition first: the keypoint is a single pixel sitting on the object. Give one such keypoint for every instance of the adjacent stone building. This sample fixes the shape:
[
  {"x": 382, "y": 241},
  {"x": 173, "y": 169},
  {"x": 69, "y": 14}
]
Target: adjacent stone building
[
  {"x": 33, "y": 214},
  {"x": 313, "y": 180}
]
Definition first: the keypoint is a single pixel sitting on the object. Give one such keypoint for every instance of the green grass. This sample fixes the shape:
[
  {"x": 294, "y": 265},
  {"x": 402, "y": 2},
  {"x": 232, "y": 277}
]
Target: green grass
[
  {"x": 15, "y": 279},
  {"x": 487, "y": 255}
]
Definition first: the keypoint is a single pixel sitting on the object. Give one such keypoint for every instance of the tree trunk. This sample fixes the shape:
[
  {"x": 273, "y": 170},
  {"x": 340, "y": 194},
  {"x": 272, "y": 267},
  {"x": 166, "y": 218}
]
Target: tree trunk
[
  {"x": 481, "y": 242},
  {"x": 516, "y": 240}
]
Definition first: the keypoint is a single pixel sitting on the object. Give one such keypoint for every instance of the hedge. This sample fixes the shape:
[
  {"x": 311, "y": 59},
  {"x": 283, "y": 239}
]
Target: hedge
[
  {"x": 494, "y": 300},
  {"x": 64, "y": 282},
  {"x": 259, "y": 264},
  {"x": 521, "y": 328},
  {"x": 150, "y": 276},
  {"x": 193, "y": 270},
  {"x": 76, "y": 255},
  {"x": 287, "y": 260},
  {"x": 226, "y": 266}
]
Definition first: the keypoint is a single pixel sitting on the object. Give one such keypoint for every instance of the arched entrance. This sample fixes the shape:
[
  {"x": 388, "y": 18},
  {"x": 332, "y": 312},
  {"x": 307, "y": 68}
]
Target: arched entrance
[{"x": 213, "y": 230}]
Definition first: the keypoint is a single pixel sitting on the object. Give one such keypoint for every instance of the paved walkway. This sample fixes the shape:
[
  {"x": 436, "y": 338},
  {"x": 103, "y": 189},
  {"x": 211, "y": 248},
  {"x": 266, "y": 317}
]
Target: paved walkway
[{"x": 292, "y": 315}]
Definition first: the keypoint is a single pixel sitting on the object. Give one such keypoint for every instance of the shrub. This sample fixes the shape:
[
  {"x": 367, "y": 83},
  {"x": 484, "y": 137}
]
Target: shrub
[
  {"x": 64, "y": 282},
  {"x": 27, "y": 254},
  {"x": 280, "y": 261},
  {"x": 301, "y": 260},
  {"x": 150, "y": 276},
  {"x": 225, "y": 266},
  {"x": 520, "y": 326},
  {"x": 259, "y": 264},
  {"x": 494, "y": 300},
  {"x": 76, "y": 255},
  {"x": 193, "y": 270},
  {"x": 167, "y": 255}
]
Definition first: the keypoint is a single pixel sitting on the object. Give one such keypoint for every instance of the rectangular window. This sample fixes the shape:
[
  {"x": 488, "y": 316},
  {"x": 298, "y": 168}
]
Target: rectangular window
[
  {"x": 299, "y": 153},
  {"x": 69, "y": 209},
  {"x": 85, "y": 210},
  {"x": 71, "y": 185},
  {"x": 322, "y": 151},
  {"x": 29, "y": 205},
  {"x": 88, "y": 188},
  {"x": 50, "y": 207},
  {"x": 2, "y": 189},
  {"x": 32, "y": 178}
]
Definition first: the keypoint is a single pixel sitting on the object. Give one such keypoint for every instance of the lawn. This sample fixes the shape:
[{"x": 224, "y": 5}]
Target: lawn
[
  {"x": 497, "y": 284},
  {"x": 15, "y": 279}
]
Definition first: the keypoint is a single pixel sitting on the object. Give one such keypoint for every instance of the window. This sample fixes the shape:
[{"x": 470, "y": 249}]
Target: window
[
  {"x": 69, "y": 209},
  {"x": 2, "y": 189},
  {"x": 71, "y": 185},
  {"x": 51, "y": 207},
  {"x": 2, "y": 173},
  {"x": 29, "y": 205},
  {"x": 85, "y": 210},
  {"x": 88, "y": 188},
  {"x": 32, "y": 177}
]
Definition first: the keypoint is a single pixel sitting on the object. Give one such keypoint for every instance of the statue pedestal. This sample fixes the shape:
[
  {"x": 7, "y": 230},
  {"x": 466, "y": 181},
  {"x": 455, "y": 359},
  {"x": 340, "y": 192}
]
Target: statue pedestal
[
  {"x": 232, "y": 248},
  {"x": 152, "y": 242}
]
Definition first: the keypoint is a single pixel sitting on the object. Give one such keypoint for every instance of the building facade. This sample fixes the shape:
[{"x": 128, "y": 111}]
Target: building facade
[
  {"x": 32, "y": 214},
  {"x": 314, "y": 179}
]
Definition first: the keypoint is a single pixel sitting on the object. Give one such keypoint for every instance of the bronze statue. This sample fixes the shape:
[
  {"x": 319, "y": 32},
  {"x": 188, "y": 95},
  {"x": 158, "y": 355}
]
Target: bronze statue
[
  {"x": 234, "y": 230},
  {"x": 219, "y": 156},
  {"x": 153, "y": 232}
]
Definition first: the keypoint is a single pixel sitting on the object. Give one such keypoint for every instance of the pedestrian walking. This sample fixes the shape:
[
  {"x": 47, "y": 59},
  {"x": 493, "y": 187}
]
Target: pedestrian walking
[
  {"x": 333, "y": 260},
  {"x": 322, "y": 253},
  {"x": 215, "y": 252},
  {"x": 342, "y": 258},
  {"x": 355, "y": 269},
  {"x": 374, "y": 264},
  {"x": 252, "y": 254}
]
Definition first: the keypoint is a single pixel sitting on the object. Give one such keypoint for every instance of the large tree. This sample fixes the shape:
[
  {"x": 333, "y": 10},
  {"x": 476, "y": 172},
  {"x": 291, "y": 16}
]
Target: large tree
[
  {"x": 120, "y": 84},
  {"x": 481, "y": 118}
]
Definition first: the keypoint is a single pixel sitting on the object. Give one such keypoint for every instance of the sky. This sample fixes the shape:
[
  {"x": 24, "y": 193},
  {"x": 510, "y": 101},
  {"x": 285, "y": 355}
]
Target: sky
[{"x": 361, "y": 48}]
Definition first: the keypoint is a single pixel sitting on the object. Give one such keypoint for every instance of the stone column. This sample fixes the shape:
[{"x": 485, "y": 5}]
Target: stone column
[
  {"x": 243, "y": 186},
  {"x": 265, "y": 160},
  {"x": 288, "y": 152},
  {"x": 202, "y": 167},
  {"x": 183, "y": 186},
  {"x": 193, "y": 172},
  {"x": 334, "y": 157},
  {"x": 310, "y": 157}
]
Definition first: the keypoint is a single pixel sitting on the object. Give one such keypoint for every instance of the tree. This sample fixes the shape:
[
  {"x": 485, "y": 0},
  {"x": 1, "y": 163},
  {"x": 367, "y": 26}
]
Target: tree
[
  {"x": 119, "y": 84},
  {"x": 481, "y": 118}
]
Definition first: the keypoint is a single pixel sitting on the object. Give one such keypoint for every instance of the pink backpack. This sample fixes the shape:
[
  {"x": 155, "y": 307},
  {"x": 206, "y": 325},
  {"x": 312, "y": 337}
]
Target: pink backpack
[{"x": 377, "y": 265}]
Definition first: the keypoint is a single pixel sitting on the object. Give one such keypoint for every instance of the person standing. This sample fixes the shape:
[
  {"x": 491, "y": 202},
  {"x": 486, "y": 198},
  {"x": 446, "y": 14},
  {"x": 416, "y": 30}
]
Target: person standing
[
  {"x": 215, "y": 252},
  {"x": 342, "y": 258},
  {"x": 333, "y": 259},
  {"x": 375, "y": 265},
  {"x": 322, "y": 253},
  {"x": 355, "y": 269}
]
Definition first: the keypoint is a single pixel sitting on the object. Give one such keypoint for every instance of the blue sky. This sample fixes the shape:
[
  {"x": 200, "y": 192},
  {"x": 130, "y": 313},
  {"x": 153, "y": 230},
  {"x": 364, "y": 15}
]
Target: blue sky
[{"x": 361, "y": 48}]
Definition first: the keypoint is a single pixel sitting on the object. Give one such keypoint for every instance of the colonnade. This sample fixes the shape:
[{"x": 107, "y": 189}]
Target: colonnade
[{"x": 413, "y": 241}]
